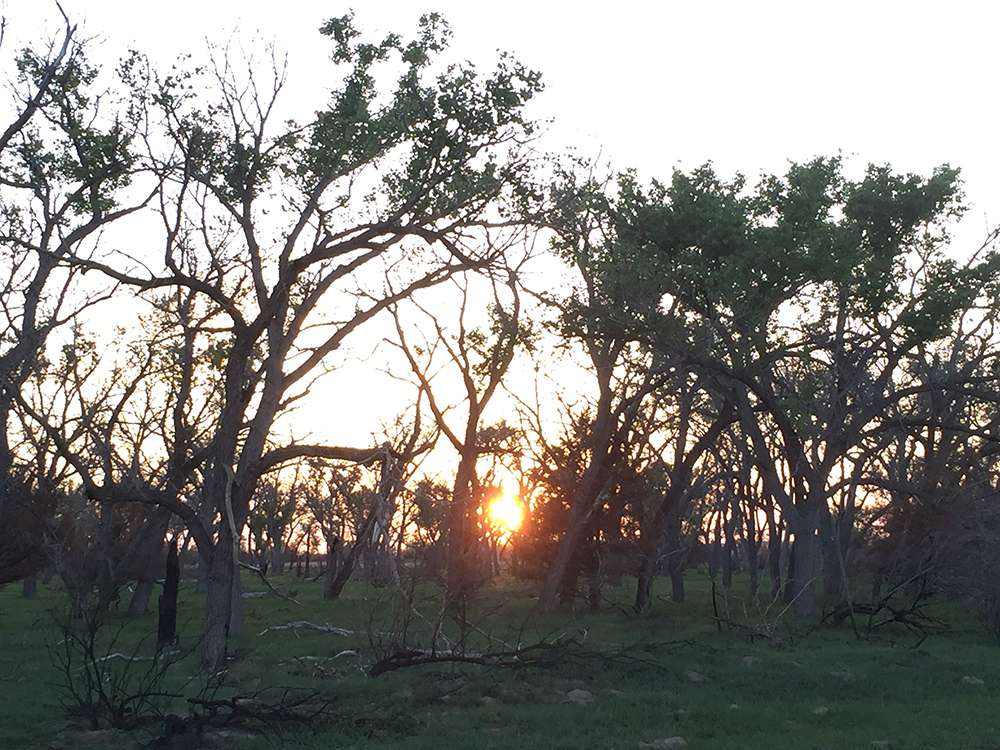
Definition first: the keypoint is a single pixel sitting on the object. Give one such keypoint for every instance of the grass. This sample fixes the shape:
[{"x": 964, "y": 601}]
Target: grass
[{"x": 672, "y": 673}]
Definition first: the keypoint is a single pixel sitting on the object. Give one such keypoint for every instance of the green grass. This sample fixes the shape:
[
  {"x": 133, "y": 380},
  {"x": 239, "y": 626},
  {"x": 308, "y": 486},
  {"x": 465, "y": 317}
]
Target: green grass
[{"x": 823, "y": 689}]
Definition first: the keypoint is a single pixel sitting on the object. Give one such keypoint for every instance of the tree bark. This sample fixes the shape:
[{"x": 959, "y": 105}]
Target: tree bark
[
  {"x": 218, "y": 606},
  {"x": 166, "y": 633},
  {"x": 139, "y": 603},
  {"x": 150, "y": 561},
  {"x": 334, "y": 546},
  {"x": 581, "y": 508},
  {"x": 804, "y": 568}
]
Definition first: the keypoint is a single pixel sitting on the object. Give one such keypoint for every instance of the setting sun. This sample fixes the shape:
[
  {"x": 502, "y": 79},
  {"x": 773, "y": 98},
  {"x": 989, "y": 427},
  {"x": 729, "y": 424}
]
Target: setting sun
[{"x": 506, "y": 512}]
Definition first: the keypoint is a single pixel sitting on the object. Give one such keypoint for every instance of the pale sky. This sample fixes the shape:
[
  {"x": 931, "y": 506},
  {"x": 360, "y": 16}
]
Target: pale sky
[{"x": 664, "y": 83}]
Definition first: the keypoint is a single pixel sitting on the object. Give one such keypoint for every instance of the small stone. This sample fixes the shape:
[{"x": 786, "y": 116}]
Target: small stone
[
  {"x": 697, "y": 677},
  {"x": 821, "y": 710},
  {"x": 734, "y": 706},
  {"x": 845, "y": 675},
  {"x": 974, "y": 681},
  {"x": 579, "y": 696},
  {"x": 750, "y": 660},
  {"x": 665, "y": 743}
]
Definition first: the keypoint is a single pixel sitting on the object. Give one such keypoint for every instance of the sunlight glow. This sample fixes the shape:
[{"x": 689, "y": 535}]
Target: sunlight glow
[{"x": 506, "y": 513}]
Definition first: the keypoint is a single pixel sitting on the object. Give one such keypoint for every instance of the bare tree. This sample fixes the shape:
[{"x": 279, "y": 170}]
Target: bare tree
[
  {"x": 268, "y": 230},
  {"x": 478, "y": 360},
  {"x": 66, "y": 166}
]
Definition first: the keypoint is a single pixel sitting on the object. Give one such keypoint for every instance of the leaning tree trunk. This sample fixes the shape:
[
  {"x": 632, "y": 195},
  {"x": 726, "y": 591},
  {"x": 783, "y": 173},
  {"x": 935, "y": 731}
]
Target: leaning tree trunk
[
  {"x": 462, "y": 533},
  {"x": 581, "y": 508},
  {"x": 334, "y": 547}
]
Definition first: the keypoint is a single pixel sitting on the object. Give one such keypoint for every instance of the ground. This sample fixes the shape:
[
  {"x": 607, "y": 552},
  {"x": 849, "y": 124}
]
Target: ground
[{"x": 674, "y": 678}]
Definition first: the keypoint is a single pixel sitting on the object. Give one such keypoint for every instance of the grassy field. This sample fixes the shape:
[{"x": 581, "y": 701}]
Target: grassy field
[{"x": 621, "y": 681}]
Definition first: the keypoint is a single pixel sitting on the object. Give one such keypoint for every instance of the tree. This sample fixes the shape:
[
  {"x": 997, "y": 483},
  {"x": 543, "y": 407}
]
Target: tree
[
  {"x": 268, "y": 231},
  {"x": 801, "y": 302},
  {"x": 66, "y": 166},
  {"x": 479, "y": 360},
  {"x": 598, "y": 315}
]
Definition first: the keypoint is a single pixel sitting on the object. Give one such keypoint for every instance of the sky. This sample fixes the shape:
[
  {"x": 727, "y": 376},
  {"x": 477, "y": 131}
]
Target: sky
[{"x": 659, "y": 85}]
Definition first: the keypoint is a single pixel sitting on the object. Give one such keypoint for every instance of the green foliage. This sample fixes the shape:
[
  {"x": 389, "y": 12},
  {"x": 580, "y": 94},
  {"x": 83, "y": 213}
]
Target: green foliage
[
  {"x": 441, "y": 129},
  {"x": 94, "y": 162}
]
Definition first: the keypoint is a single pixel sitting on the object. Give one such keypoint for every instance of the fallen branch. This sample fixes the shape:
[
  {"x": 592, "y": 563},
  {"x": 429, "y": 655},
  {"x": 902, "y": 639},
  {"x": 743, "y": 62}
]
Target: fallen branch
[
  {"x": 754, "y": 631},
  {"x": 260, "y": 574},
  {"x": 543, "y": 654},
  {"x": 306, "y": 625}
]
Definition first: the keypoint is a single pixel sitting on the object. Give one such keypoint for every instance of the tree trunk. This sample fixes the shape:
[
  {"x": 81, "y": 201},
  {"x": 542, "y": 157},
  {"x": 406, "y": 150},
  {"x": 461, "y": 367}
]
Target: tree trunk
[
  {"x": 803, "y": 571},
  {"x": 236, "y": 609},
  {"x": 277, "y": 555},
  {"x": 727, "y": 554},
  {"x": 644, "y": 586},
  {"x": 166, "y": 633},
  {"x": 774, "y": 544},
  {"x": 221, "y": 587},
  {"x": 594, "y": 588},
  {"x": 583, "y": 504},
  {"x": 753, "y": 563},
  {"x": 351, "y": 559},
  {"x": 676, "y": 555},
  {"x": 6, "y": 458},
  {"x": 334, "y": 546},
  {"x": 139, "y": 604},
  {"x": 218, "y": 603},
  {"x": 148, "y": 560},
  {"x": 29, "y": 586},
  {"x": 462, "y": 531}
]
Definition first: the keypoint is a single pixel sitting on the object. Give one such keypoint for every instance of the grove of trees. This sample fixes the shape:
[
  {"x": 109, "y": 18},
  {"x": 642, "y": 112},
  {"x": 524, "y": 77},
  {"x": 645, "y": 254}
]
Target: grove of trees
[{"x": 794, "y": 379}]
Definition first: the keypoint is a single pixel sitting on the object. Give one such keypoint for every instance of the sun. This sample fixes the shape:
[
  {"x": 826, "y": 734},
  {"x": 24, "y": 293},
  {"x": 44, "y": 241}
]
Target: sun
[{"x": 506, "y": 513}]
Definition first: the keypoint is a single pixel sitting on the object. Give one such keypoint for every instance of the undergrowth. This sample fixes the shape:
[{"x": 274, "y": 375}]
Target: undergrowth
[{"x": 622, "y": 681}]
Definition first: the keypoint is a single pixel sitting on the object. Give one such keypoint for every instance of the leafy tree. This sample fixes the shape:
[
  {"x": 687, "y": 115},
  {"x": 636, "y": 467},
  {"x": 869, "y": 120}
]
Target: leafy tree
[
  {"x": 598, "y": 315},
  {"x": 800, "y": 300}
]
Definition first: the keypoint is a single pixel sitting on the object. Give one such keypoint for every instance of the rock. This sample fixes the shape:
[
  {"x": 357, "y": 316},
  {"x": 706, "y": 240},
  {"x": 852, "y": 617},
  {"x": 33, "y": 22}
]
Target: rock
[
  {"x": 974, "y": 681},
  {"x": 750, "y": 660},
  {"x": 821, "y": 710},
  {"x": 697, "y": 677},
  {"x": 664, "y": 743},
  {"x": 845, "y": 675},
  {"x": 579, "y": 696}
]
